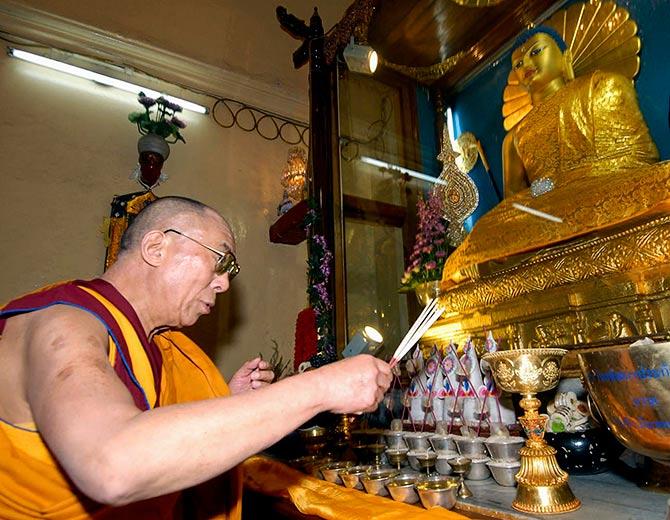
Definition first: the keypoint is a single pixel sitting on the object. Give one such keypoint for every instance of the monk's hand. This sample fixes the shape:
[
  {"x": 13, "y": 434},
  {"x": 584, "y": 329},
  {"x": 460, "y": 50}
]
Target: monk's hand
[
  {"x": 253, "y": 374},
  {"x": 355, "y": 384}
]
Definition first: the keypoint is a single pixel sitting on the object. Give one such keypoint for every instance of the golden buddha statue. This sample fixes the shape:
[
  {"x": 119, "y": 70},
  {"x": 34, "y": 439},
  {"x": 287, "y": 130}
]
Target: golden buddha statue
[{"x": 582, "y": 153}]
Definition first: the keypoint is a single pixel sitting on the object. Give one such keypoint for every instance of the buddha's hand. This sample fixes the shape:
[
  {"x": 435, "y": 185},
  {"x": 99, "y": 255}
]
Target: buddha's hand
[
  {"x": 355, "y": 384},
  {"x": 253, "y": 374}
]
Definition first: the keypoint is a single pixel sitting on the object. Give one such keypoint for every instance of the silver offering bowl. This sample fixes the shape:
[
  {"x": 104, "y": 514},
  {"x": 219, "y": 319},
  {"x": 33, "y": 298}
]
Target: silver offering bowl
[
  {"x": 441, "y": 442},
  {"x": 351, "y": 477},
  {"x": 331, "y": 471},
  {"x": 397, "y": 456},
  {"x": 395, "y": 439},
  {"x": 460, "y": 466},
  {"x": 375, "y": 479},
  {"x": 437, "y": 491},
  {"x": 402, "y": 488},
  {"x": 417, "y": 440},
  {"x": 504, "y": 472},
  {"x": 630, "y": 386},
  {"x": 504, "y": 448}
]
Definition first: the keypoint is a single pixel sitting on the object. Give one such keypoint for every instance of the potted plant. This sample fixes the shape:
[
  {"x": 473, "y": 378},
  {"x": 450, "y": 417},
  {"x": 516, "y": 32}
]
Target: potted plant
[
  {"x": 431, "y": 248},
  {"x": 159, "y": 129}
]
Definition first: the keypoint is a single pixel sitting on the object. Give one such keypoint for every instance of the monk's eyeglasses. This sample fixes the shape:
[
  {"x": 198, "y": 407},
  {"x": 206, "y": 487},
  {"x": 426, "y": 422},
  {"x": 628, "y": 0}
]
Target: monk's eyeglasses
[{"x": 226, "y": 261}]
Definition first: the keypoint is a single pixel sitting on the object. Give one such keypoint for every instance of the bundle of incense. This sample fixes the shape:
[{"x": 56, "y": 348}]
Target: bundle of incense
[{"x": 428, "y": 316}]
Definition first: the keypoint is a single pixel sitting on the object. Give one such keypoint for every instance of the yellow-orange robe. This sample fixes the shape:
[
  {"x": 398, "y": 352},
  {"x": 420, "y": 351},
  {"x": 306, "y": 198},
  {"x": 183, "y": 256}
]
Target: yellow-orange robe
[{"x": 171, "y": 369}]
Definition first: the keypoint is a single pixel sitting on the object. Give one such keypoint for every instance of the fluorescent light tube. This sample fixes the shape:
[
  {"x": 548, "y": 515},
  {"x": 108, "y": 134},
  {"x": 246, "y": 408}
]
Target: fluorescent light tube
[
  {"x": 101, "y": 78},
  {"x": 395, "y": 167}
]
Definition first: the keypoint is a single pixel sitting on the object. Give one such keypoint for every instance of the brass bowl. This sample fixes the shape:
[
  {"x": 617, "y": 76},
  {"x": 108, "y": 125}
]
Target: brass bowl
[
  {"x": 526, "y": 371},
  {"x": 631, "y": 389}
]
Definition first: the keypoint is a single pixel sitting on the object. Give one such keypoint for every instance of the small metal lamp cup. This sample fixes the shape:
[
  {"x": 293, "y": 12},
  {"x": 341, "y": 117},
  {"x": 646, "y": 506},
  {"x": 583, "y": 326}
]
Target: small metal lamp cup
[
  {"x": 460, "y": 466},
  {"x": 397, "y": 456},
  {"x": 542, "y": 485},
  {"x": 426, "y": 460},
  {"x": 313, "y": 439},
  {"x": 376, "y": 450}
]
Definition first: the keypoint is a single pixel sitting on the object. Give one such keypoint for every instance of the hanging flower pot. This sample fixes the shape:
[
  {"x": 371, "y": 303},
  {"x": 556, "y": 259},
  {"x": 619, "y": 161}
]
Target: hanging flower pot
[
  {"x": 154, "y": 151},
  {"x": 159, "y": 129}
]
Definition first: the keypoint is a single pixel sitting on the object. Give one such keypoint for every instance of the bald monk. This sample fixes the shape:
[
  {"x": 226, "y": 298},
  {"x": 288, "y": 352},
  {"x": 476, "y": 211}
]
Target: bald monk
[{"x": 107, "y": 412}]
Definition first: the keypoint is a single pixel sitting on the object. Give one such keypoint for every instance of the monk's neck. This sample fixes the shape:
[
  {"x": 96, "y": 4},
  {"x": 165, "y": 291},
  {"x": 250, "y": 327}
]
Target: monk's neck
[
  {"x": 548, "y": 90},
  {"x": 136, "y": 295}
]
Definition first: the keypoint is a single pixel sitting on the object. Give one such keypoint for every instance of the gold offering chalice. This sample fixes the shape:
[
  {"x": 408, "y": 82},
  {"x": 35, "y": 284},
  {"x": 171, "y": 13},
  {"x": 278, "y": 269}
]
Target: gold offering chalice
[
  {"x": 460, "y": 466},
  {"x": 542, "y": 484}
]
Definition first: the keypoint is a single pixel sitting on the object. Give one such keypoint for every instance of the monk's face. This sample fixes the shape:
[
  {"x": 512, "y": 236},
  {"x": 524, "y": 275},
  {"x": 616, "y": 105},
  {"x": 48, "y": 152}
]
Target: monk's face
[
  {"x": 192, "y": 281},
  {"x": 538, "y": 61}
]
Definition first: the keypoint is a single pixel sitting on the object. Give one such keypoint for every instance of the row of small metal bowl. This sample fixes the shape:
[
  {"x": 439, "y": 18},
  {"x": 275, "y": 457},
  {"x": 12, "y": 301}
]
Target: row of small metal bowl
[
  {"x": 504, "y": 452},
  {"x": 499, "y": 447},
  {"x": 432, "y": 491}
]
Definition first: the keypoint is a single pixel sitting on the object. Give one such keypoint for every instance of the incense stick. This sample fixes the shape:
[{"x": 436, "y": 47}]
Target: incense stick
[
  {"x": 425, "y": 320},
  {"x": 537, "y": 213}
]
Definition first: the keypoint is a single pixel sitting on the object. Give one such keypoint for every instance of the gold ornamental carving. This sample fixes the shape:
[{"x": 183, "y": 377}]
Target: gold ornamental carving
[
  {"x": 429, "y": 73},
  {"x": 644, "y": 246},
  {"x": 355, "y": 22},
  {"x": 458, "y": 190}
]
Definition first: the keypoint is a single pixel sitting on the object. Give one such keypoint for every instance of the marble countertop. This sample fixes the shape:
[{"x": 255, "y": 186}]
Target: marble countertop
[{"x": 604, "y": 496}]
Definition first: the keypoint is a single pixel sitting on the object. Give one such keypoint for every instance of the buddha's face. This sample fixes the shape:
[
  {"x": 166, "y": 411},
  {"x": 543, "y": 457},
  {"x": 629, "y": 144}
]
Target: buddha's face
[{"x": 538, "y": 61}]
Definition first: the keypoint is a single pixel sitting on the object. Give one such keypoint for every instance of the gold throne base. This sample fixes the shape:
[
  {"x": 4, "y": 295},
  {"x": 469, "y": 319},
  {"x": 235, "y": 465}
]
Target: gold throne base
[{"x": 600, "y": 290}]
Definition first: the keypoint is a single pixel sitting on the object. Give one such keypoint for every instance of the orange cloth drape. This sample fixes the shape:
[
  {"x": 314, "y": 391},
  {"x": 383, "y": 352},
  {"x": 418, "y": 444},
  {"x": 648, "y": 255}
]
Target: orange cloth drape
[{"x": 329, "y": 501}]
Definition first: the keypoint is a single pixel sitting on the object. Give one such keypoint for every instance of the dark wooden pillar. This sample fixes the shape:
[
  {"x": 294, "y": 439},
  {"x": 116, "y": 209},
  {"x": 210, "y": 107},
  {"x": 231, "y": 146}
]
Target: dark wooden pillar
[{"x": 323, "y": 161}]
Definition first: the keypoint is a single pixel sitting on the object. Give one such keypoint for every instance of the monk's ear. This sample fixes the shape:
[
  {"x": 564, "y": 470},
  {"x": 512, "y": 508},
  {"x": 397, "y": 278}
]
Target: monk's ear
[
  {"x": 153, "y": 248},
  {"x": 568, "y": 71}
]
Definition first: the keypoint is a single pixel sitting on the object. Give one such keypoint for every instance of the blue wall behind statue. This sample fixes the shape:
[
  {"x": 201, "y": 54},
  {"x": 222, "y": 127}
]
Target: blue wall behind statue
[{"x": 478, "y": 107}]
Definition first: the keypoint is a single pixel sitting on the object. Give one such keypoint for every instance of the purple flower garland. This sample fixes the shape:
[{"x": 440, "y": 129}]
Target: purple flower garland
[{"x": 319, "y": 269}]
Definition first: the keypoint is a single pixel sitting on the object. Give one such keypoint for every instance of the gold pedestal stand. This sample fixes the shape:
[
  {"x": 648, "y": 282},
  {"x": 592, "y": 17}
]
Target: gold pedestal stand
[{"x": 542, "y": 485}]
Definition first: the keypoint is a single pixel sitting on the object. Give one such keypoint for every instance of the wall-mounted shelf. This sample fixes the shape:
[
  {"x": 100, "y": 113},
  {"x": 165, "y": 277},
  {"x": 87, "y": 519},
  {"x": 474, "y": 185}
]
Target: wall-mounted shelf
[{"x": 288, "y": 229}]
